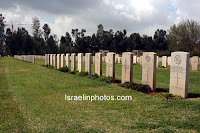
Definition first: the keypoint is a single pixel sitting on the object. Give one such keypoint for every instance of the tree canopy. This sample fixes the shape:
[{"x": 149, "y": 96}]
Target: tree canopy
[{"x": 183, "y": 36}]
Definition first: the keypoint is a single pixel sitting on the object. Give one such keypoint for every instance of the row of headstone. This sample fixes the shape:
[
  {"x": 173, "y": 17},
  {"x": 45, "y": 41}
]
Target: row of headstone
[
  {"x": 61, "y": 60},
  {"x": 119, "y": 59},
  {"x": 40, "y": 57},
  {"x": 179, "y": 67},
  {"x": 26, "y": 58},
  {"x": 179, "y": 71},
  {"x": 166, "y": 61},
  {"x": 83, "y": 58}
]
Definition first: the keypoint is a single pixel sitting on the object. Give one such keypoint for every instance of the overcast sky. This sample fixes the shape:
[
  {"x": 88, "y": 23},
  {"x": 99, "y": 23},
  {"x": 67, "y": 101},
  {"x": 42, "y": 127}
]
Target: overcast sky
[{"x": 136, "y": 16}]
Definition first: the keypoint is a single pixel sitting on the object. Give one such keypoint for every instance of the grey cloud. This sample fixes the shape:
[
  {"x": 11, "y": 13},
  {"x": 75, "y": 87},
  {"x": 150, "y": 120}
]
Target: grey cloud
[
  {"x": 54, "y": 6},
  {"x": 89, "y": 13}
]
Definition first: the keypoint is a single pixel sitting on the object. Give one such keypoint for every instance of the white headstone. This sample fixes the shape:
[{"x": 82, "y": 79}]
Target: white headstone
[
  {"x": 141, "y": 58},
  {"x": 160, "y": 59},
  {"x": 93, "y": 59},
  {"x": 58, "y": 61},
  {"x": 110, "y": 65},
  {"x": 157, "y": 62},
  {"x": 67, "y": 60},
  {"x": 32, "y": 59},
  {"x": 46, "y": 59},
  {"x": 118, "y": 60},
  {"x": 83, "y": 59},
  {"x": 103, "y": 59},
  {"x": 149, "y": 69},
  {"x": 54, "y": 61},
  {"x": 88, "y": 63},
  {"x": 62, "y": 60},
  {"x": 51, "y": 59},
  {"x": 195, "y": 63},
  {"x": 98, "y": 63},
  {"x": 138, "y": 59},
  {"x": 169, "y": 60},
  {"x": 127, "y": 67},
  {"x": 134, "y": 59},
  {"x": 164, "y": 61},
  {"x": 73, "y": 62},
  {"x": 80, "y": 62},
  {"x": 179, "y": 73}
]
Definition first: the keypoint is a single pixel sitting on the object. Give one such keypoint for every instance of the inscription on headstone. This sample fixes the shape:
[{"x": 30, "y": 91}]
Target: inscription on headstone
[
  {"x": 127, "y": 67},
  {"x": 195, "y": 63},
  {"x": 58, "y": 61},
  {"x": 110, "y": 65},
  {"x": 149, "y": 69},
  {"x": 98, "y": 63},
  {"x": 73, "y": 62},
  {"x": 67, "y": 60},
  {"x": 179, "y": 73},
  {"x": 88, "y": 63},
  {"x": 62, "y": 60},
  {"x": 80, "y": 62}
]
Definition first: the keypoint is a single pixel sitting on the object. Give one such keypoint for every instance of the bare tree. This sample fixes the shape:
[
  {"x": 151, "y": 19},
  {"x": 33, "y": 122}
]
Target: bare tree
[
  {"x": 185, "y": 36},
  {"x": 47, "y": 31},
  {"x": 36, "y": 27},
  {"x": 2, "y": 36}
]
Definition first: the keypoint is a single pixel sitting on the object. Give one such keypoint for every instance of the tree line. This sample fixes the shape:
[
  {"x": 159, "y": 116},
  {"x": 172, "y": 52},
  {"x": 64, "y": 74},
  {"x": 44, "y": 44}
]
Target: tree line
[{"x": 184, "y": 36}]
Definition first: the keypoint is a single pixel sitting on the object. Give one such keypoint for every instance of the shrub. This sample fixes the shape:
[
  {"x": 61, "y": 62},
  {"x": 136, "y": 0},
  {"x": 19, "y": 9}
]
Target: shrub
[
  {"x": 72, "y": 72},
  {"x": 64, "y": 69},
  {"x": 106, "y": 79},
  {"x": 167, "y": 96},
  {"x": 93, "y": 76},
  {"x": 49, "y": 66},
  {"x": 141, "y": 88},
  {"x": 82, "y": 74},
  {"x": 137, "y": 87},
  {"x": 127, "y": 85}
]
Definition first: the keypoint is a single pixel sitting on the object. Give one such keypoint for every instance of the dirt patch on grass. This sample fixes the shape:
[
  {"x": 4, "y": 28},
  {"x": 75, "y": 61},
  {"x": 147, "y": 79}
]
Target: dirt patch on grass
[
  {"x": 153, "y": 93},
  {"x": 2, "y": 71},
  {"x": 116, "y": 84}
]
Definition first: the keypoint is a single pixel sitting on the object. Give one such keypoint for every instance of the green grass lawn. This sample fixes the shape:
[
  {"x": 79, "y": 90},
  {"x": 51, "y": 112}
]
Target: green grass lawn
[
  {"x": 32, "y": 99},
  {"x": 162, "y": 76}
]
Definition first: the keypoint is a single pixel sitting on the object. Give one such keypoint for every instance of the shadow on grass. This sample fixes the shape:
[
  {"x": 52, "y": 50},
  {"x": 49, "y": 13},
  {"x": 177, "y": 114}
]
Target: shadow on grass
[
  {"x": 118, "y": 81},
  {"x": 138, "y": 87},
  {"x": 162, "y": 90},
  {"x": 191, "y": 95}
]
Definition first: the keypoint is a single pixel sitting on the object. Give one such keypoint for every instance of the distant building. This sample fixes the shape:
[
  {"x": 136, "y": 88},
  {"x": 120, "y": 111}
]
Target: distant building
[
  {"x": 104, "y": 52},
  {"x": 117, "y": 55},
  {"x": 137, "y": 52}
]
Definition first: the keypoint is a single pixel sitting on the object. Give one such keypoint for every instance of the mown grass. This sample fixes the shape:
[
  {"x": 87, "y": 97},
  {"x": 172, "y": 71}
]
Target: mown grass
[
  {"x": 36, "y": 100},
  {"x": 162, "y": 77}
]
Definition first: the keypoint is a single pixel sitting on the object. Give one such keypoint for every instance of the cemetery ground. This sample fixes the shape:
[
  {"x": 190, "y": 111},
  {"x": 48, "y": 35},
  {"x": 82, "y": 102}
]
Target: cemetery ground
[{"x": 32, "y": 100}]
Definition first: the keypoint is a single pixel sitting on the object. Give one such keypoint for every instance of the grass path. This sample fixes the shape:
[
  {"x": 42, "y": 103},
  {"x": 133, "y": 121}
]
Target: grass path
[{"x": 32, "y": 100}]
